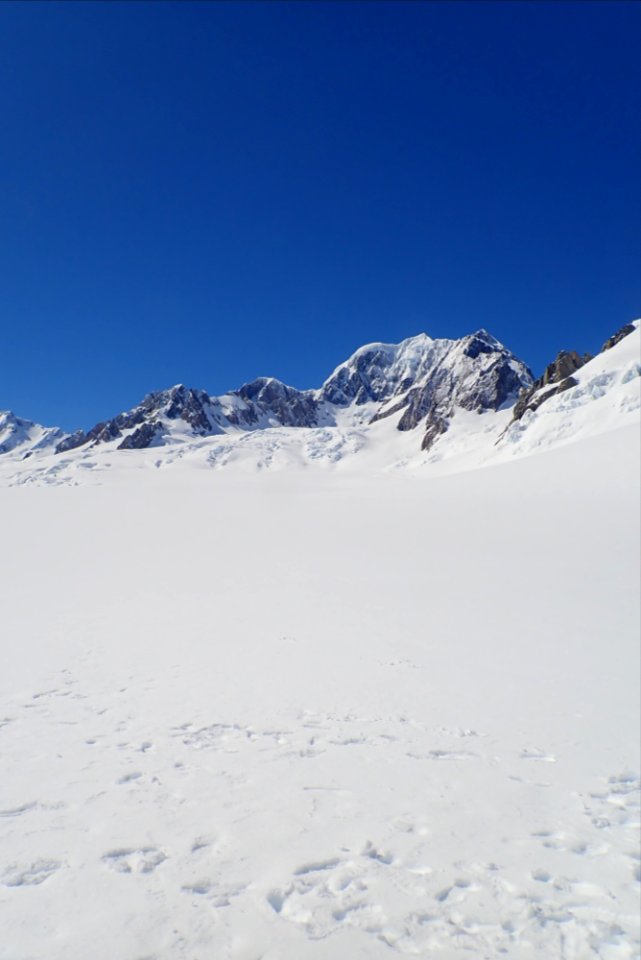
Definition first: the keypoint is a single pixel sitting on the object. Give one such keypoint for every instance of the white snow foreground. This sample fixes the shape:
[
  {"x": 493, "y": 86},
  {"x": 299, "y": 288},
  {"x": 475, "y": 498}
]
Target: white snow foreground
[{"x": 325, "y": 716}]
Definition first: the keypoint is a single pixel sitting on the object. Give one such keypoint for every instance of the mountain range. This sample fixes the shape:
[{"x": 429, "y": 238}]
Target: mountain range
[{"x": 419, "y": 386}]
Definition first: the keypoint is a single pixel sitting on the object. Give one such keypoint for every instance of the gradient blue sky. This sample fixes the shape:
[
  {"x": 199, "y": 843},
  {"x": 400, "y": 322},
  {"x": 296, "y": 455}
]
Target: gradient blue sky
[{"x": 205, "y": 193}]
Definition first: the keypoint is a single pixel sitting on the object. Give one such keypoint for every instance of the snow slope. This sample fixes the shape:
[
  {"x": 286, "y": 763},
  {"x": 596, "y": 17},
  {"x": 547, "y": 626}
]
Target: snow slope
[{"x": 325, "y": 714}]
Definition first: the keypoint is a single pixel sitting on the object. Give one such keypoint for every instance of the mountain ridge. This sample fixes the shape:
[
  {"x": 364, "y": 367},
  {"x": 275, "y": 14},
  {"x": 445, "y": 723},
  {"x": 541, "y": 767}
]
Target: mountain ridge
[
  {"x": 413, "y": 373},
  {"x": 419, "y": 384}
]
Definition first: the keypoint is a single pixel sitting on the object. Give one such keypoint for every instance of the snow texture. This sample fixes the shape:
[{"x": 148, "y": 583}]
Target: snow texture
[{"x": 376, "y": 703}]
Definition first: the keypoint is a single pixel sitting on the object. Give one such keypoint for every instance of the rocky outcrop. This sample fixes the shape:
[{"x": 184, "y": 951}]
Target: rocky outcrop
[
  {"x": 183, "y": 403},
  {"x": 73, "y": 440},
  {"x": 618, "y": 336},
  {"x": 287, "y": 406},
  {"x": 557, "y": 377},
  {"x": 143, "y": 436},
  {"x": 176, "y": 403}
]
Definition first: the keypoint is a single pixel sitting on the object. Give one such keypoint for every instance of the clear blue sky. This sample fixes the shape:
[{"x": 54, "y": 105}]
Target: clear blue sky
[{"x": 205, "y": 193}]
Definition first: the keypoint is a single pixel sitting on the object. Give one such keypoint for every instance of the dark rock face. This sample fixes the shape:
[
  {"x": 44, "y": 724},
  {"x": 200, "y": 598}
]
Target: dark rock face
[
  {"x": 533, "y": 402},
  {"x": 479, "y": 342},
  {"x": 557, "y": 375},
  {"x": 436, "y": 427},
  {"x": 101, "y": 433},
  {"x": 74, "y": 440},
  {"x": 264, "y": 401},
  {"x": 618, "y": 336},
  {"x": 566, "y": 363},
  {"x": 183, "y": 403},
  {"x": 104, "y": 432},
  {"x": 178, "y": 402},
  {"x": 142, "y": 437},
  {"x": 288, "y": 406}
]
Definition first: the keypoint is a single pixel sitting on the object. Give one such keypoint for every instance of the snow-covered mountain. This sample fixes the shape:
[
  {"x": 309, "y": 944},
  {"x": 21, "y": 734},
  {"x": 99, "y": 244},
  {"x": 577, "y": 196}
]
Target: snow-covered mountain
[
  {"x": 425, "y": 378},
  {"x": 23, "y": 437},
  {"x": 422, "y": 401}
]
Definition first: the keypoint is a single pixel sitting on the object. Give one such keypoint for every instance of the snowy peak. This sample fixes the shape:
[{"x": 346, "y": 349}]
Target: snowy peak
[
  {"x": 429, "y": 378},
  {"x": 474, "y": 373},
  {"x": 24, "y": 436},
  {"x": 379, "y": 371}
]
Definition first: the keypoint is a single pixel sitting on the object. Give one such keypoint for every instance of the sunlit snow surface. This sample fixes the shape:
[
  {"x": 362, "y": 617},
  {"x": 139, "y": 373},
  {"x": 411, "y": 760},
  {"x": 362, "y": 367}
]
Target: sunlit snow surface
[{"x": 386, "y": 707}]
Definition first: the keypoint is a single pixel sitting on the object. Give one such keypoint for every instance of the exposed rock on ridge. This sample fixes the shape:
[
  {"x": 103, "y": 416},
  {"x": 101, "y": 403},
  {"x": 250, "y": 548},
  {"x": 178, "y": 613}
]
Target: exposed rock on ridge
[
  {"x": 477, "y": 373},
  {"x": 289, "y": 407},
  {"x": 557, "y": 376},
  {"x": 618, "y": 336}
]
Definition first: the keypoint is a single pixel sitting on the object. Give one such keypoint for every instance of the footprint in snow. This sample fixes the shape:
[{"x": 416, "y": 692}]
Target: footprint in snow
[
  {"x": 18, "y": 811},
  {"x": 31, "y": 875},
  {"x": 219, "y": 895},
  {"x": 129, "y": 777},
  {"x": 132, "y": 860},
  {"x": 538, "y": 755}
]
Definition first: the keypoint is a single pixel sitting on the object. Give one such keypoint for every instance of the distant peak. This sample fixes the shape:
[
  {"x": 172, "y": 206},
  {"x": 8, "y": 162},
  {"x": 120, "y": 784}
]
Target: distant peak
[
  {"x": 419, "y": 340},
  {"x": 484, "y": 335},
  {"x": 261, "y": 382}
]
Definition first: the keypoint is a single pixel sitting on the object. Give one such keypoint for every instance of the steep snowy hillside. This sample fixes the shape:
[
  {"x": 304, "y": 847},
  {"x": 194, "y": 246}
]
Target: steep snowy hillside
[
  {"x": 603, "y": 394},
  {"x": 304, "y": 716},
  {"x": 599, "y": 394}
]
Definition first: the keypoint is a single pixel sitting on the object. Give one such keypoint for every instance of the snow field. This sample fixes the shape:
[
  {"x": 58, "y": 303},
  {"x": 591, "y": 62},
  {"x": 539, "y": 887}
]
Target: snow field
[{"x": 302, "y": 715}]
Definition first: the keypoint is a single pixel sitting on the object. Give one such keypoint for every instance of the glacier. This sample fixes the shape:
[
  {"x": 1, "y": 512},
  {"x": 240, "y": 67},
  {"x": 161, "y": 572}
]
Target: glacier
[{"x": 312, "y": 692}]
